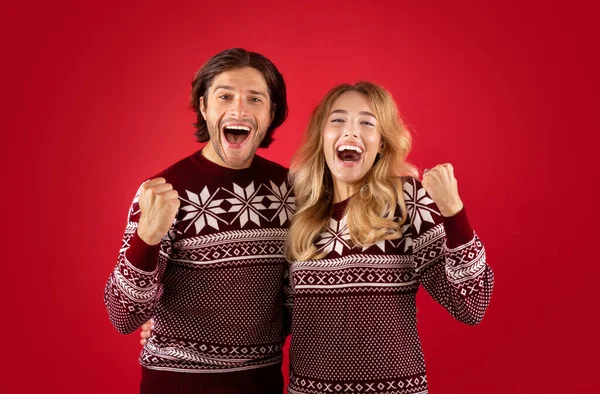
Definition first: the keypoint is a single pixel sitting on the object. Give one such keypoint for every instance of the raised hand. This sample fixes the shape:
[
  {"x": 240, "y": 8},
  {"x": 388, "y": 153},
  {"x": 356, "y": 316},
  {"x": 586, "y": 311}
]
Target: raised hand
[
  {"x": 441, "y": 185},
  {"x": 159, "y": 203}
]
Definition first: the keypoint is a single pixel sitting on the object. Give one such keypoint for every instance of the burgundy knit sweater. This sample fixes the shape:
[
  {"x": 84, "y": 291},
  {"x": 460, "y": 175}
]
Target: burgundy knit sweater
[
  {"x": 214, "y": 285},
  {"x": 354, "y": 319}
]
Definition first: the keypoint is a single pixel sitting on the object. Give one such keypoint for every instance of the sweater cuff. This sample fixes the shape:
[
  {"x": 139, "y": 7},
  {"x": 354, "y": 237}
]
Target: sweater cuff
[
  {"x": 458, "y": 229},
  {"x": 141, "y": 255}
]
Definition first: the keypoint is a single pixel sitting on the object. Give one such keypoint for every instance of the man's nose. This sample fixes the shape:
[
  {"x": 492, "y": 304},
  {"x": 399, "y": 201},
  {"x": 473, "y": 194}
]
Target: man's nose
[{"x": 239, "y": 108}]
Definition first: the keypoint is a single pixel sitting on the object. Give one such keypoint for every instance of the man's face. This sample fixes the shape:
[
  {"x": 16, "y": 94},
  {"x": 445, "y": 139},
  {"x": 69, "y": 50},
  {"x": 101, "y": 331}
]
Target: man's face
[{"x": 238, "y": 112}]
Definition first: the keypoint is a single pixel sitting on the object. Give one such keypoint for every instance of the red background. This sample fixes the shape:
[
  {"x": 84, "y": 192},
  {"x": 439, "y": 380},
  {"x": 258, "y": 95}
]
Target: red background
[{"x": 95, "y": 100}]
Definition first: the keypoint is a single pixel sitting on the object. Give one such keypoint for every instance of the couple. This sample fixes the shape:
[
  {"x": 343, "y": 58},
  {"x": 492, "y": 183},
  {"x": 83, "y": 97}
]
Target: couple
[{"x": 211, "y": 241}]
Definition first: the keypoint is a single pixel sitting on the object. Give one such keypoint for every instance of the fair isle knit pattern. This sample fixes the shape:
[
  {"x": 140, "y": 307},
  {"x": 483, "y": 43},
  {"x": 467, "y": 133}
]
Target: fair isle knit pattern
[
  {"x": 214, "y": 285},
  {"x": 354, "y": 318}
]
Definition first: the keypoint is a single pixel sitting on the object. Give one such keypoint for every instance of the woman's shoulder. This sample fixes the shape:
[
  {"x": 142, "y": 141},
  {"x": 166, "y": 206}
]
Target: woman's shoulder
[{"x": 410, "y": 185}]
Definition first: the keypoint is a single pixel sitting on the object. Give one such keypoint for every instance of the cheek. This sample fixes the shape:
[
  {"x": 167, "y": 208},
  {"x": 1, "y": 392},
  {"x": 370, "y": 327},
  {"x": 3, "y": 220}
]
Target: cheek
[
  {"x": 264, "y": 114},
  {"x": 375, "y": 143},
  {"x": 212, "y": 113},
  {"x": 329, "y": 138}
]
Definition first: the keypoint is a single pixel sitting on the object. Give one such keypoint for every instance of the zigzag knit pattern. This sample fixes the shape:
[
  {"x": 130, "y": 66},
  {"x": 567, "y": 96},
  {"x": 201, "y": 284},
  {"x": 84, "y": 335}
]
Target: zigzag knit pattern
[
  {"x": 354, "y": 318},
  {"x": 215, "y": 284}
]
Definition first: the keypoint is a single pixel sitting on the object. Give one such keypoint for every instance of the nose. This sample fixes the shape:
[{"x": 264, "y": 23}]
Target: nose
[
  {"x": 239, "y": 108},
  {"x": 351, "y": 130}
]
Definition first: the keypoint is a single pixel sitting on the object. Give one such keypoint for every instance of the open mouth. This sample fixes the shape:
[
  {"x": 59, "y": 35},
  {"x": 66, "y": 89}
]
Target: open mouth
[
  {"x": 349, "y": 153},
  {"x": 236, "y": 134}
]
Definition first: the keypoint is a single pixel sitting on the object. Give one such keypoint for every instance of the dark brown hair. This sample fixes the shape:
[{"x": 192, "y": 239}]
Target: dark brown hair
[{"x": 237, "y": 58}]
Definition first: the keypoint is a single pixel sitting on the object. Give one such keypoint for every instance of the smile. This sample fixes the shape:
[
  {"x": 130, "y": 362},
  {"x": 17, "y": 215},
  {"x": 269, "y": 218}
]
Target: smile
[
  {"x": 349, "y": 153},
  {"x": 236, "y": 134}
]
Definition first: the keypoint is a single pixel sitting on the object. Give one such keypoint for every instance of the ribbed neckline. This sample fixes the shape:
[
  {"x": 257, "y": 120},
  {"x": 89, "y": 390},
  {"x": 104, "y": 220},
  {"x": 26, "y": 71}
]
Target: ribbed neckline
[
  {"x": 339, "y": 208},
  {"x": 224, "y": 172}
]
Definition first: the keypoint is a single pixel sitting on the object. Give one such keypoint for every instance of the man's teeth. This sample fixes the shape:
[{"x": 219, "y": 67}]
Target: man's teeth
[
  {"x": 342, "y": 148},
  {"x": 238, "y": 128}
]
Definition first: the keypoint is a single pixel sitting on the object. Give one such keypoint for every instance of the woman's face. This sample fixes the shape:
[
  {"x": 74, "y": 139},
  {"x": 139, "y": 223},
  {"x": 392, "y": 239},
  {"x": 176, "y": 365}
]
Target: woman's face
[{"x": 351, "y": 138}]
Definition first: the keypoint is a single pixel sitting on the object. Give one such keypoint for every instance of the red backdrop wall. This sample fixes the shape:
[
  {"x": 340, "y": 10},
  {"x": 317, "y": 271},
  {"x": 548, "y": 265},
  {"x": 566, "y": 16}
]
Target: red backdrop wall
[{"x": 95, "y": 100}]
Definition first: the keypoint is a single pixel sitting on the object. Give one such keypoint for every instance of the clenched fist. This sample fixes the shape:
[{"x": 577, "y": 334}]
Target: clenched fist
[
  {"x": 440, "y": 183},
  {"x": 158, "y": 205}
]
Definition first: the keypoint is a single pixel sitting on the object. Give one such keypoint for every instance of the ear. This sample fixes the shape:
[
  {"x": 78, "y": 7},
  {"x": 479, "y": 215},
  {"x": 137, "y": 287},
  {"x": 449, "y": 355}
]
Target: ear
[{"x": 202, "y": 107}]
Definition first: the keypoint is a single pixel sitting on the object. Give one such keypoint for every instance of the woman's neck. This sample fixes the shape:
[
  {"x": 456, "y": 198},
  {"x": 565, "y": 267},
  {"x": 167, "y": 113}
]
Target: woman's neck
[{"x": 342, "y": 191}]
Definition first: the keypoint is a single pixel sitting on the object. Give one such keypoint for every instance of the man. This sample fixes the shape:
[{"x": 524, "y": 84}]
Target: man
[{"x": 202, "y": 253}]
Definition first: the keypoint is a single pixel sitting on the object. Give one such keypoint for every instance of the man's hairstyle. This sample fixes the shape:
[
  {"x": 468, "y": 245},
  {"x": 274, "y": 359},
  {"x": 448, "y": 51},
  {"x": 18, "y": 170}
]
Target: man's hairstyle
[{"x": 230, "y": 59}]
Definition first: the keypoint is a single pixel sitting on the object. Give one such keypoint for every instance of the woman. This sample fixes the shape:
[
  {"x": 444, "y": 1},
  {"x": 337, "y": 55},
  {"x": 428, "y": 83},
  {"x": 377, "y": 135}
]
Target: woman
[{"x": 362, "y": 241}]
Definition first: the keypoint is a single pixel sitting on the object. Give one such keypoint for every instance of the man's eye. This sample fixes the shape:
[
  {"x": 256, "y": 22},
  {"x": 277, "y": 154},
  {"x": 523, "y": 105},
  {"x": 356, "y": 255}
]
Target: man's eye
[
  {"x": 255, "y": 100},
  {"x": 224, "y": 97}
]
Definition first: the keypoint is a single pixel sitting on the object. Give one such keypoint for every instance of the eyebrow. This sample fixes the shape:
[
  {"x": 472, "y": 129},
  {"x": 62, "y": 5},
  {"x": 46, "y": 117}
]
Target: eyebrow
[
  {"x": 343, "y": 111},
  {"x": 227, "y": 87},
  {"x": 258, "y": 92}
]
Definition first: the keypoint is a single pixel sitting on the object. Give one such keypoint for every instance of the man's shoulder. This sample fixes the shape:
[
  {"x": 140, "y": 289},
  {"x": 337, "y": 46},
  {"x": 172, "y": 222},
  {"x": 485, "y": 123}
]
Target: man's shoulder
[
  {"x": 267, "y": 169},
  {"x": 263, "y": 163},
  {"x": 180, "y": 169}
]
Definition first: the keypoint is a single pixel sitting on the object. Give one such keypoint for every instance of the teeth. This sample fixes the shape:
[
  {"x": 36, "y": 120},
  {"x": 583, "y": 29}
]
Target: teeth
[
  {"x": 238, "y": 128},
  {"x": 349, "y": 147}
]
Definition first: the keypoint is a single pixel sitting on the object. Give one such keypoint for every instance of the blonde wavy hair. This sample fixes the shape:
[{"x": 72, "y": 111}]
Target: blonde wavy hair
[{"x": 371, "y": 211}]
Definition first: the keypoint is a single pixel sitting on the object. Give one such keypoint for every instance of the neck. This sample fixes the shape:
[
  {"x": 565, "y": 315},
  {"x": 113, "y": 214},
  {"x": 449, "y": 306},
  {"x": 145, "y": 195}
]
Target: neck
[
  {"x": 342, "y": 191},
  {"x": 211, "y": 154}
]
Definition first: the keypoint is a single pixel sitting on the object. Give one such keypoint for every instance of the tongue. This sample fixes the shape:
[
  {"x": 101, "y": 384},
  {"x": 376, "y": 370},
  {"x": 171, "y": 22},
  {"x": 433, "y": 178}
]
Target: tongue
[
  {"x": 236, "y": 137},
  {"x": 349, "y": 155}
]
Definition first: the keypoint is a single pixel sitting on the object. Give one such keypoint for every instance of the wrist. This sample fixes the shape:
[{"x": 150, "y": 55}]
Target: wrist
[
  {"x": 451, "y": 208},
  {"x": 149, "y": 237}
]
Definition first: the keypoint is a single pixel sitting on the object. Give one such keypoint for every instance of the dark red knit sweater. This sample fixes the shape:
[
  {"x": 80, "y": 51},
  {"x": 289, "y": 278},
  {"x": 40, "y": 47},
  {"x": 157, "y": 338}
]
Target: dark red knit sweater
[
  {"x": 214, "y": 285},
  {"x": 354, "y": 319}
]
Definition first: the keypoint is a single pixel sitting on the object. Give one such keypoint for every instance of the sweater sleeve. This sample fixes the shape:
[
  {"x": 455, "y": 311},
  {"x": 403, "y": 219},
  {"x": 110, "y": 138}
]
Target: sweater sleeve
[
  {"x": 134, "y": 287},
  {"x": 450, "y": 258}
]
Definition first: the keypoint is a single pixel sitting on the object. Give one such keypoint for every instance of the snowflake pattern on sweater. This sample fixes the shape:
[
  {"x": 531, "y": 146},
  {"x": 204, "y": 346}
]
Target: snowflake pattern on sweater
[
  {"x": 354, "y": 318},
  {"x": 215, "y": 283}
]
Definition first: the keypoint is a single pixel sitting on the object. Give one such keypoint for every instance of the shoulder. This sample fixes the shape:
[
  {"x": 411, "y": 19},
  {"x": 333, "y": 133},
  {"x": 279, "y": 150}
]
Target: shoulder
[
  {"x": 412, "y": 188},
  {"x": 177, "y": 172},
  {"x": 263, "y": 163},
  {"x": 420, "y": 208},
  {"x": 269, "y": 169},
  {"x": 177, "y": 168},
  {"x": 415, "y": 197}
]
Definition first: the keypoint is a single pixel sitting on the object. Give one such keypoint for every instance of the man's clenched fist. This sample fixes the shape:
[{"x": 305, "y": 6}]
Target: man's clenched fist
[{"x": 158, "y": 205}]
